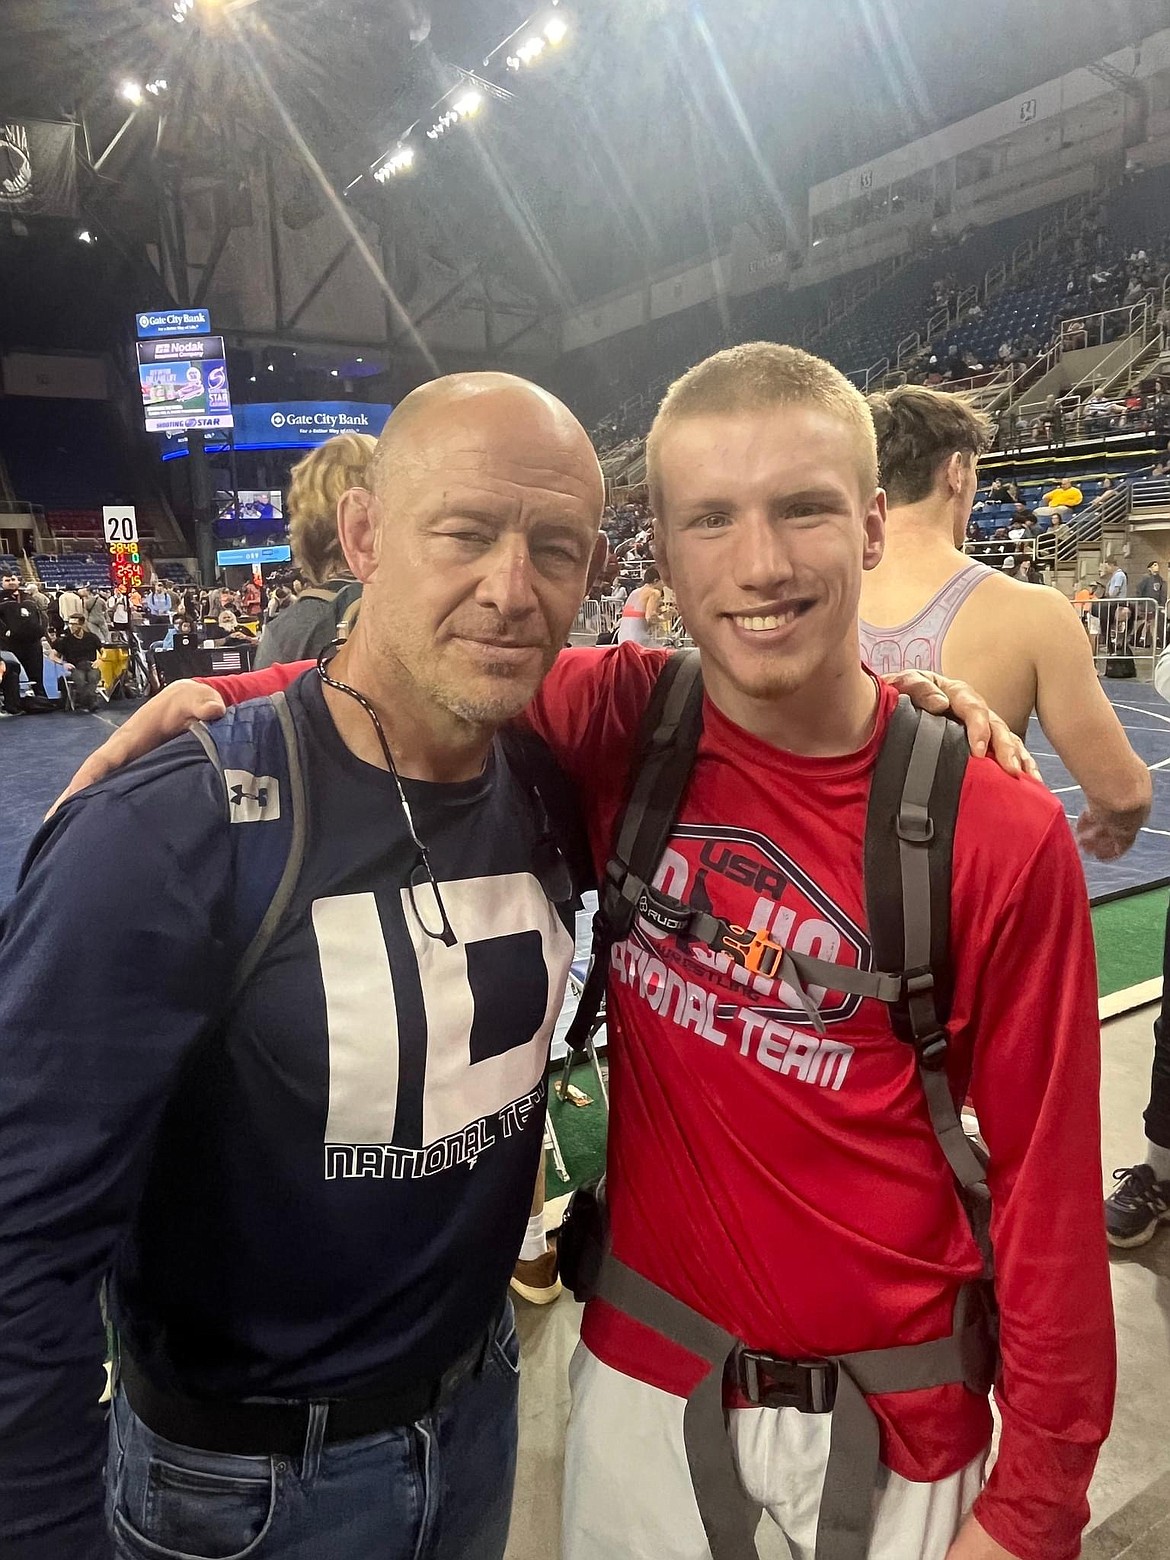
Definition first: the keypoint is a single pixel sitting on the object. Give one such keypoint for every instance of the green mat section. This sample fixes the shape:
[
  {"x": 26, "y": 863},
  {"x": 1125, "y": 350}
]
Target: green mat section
[
  {"x": 580, "y": 1131},
  {"x": 1128, "y": 934}
]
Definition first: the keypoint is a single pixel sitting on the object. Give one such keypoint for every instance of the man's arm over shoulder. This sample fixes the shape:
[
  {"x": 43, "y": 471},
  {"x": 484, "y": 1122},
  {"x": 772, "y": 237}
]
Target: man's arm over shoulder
[
  {"x": 589, "y": 706},
  {"x": 1081, "y": 723},
  {"x": 93, "y": 1029},
  {"x": 1030, "y": 977}
]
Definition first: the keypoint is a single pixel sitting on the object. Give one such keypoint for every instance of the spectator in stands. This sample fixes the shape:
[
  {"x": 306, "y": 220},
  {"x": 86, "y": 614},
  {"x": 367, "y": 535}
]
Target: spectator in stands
[
  {"x": 77, "y": 650},
  {"x": 1024, "y": 650},
  {"x": 159, "y": 604},
  {"x": 9, "y": 685},
  {"x": 1030, "y": 572},
  {"x": 22, "y": 629},
  {"x": 1163, "y": 323},
  {"x": 232, "y": 631},
  {"x": 1118, "y": 582},
  {"x": 1066, "y": 495},
  {"x": 319, "y": 612},
  {"x": 121, "y": 611},
  {"x": 1074, "y": 335},
  {"x": 97, "y": 618},
  {"x": 1151, "y": 592},
  {"x": 182, "y": 634},
  {"x": 1000, "y": 492},
  {"x": 69, "y": 605},
  {"x": 250, "y": 598}
]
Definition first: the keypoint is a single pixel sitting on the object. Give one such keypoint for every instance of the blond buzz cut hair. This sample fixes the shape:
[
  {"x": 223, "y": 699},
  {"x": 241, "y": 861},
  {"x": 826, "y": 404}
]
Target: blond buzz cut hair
[{"x": 757, "y": 376}]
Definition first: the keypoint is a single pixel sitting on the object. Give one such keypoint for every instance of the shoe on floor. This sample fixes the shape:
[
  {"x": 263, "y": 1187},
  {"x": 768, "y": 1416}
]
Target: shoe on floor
[
  {"x": 538, "y": 1281},
  {"x": 1134, "y": 1211}
]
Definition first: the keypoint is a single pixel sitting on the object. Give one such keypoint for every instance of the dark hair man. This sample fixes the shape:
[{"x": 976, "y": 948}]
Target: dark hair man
[
  {"x": 78, "y": 650},
  {"x": 928, "y": 606},
  {"x": 22, "y": 630},
  {"x": 804, "y": 1214}
]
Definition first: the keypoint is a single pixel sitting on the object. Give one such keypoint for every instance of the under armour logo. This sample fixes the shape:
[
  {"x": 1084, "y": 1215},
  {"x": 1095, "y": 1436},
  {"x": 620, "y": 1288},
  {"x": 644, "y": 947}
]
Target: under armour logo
[
  {"x": 252, "y": 798},
  {"x": 259, "y": 796}
]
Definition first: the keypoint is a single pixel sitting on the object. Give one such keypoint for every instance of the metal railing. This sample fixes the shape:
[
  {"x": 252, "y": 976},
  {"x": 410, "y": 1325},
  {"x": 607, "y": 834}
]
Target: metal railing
[
  {"x": 1128, "y": 631},
  {"x": 1148, "y": 495},
  {"x": 995, "y": 280}
]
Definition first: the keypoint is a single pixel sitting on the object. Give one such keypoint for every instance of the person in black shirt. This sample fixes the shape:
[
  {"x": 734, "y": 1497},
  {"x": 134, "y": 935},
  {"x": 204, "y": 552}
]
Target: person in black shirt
[
  {"x": 78, "y": 650},
  {"x": 22, "y": 630},
  {"x": 307, "y": 1194}
]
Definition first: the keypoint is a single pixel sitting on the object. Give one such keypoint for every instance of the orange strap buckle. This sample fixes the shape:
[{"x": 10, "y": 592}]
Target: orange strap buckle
[{"x": 758, "y": 952}]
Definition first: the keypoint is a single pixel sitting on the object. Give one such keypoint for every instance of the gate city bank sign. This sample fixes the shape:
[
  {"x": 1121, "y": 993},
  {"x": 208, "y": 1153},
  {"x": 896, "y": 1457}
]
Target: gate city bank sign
[{"x": 295, "y": 425}]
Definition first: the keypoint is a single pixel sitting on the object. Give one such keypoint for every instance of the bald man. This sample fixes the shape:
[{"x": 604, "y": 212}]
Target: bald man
[{"x": 306, "y": 1191}]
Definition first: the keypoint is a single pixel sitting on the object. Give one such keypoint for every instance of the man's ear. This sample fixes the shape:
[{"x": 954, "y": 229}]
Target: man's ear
[
  {"x": 956, "y": 472},
  {"x": 875, "y": 531},
  {"x": 357, "y": 531},
  {"x": 597, "y": 562},
  {"x": 661, "y": 561}
]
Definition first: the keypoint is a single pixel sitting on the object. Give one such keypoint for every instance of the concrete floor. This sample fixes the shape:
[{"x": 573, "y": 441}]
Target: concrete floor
[{"x": 1131, "y": 1492}]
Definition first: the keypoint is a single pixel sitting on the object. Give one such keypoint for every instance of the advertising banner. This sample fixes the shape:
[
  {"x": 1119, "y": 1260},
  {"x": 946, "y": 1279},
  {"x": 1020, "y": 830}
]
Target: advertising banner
[
  {"x": 297, "y": 425},
  {"x": 38, "y": 168},
  {"x": 227, "y": 556},
  {"x": 173, "y": 322},
  {"x": 184, "y": 384}
]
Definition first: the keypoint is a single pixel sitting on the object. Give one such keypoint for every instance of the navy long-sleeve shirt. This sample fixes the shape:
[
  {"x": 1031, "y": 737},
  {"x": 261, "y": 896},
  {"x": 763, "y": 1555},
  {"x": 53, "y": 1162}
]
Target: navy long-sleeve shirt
[{"x": 306, "y": 1190}]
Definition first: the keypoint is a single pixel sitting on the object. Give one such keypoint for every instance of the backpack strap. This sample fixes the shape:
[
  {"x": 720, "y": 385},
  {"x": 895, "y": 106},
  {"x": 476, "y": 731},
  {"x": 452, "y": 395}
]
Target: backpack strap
[
  {"x": 909, "y": 849},
  {"x": 668, "y": 738},
  {"x": 255, "y": 749}
]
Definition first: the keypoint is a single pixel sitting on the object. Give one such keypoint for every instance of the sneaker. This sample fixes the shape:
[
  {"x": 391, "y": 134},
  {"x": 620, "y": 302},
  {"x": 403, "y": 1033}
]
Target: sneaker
[
  {"x": 538, "y": 1281},
  {"x": 1140, "y": 1203}
]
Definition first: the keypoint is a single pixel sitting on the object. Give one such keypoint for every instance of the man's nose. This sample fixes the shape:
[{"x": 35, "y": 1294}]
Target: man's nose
[
  {"x": 761, "y": 561},
  {"x": 509, "y": 580}
]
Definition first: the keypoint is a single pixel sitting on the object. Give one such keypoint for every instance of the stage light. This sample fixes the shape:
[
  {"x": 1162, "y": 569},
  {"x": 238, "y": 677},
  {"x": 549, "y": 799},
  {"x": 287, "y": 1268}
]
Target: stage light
[
  {"x": 271, "y": 368},
  {"x": 398, "y": 162},
  {"x": 156, "y": 87},
  {"x": 469, "y": 104},
  {"x": 85, "y": 237},
  {"x": 131, "y": 93},
  {"x": 556, "y": 30},
  {"x": 182, "y": 9},
  {"x": 333, "y": 373}
]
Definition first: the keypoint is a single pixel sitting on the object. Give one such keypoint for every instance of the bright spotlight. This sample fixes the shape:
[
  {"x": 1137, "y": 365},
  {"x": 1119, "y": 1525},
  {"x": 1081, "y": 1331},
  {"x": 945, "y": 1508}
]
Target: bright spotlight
[
  {"x": 333, "y": 373},
  {"x": 469, "y": 104},
  {"x": 156, "y": 87},
  {"x": 398, "y": 162},
  {"x": 85, "y": 237},
  {"x": 131, "y": 93},
  {"x": 556, "y": 30},
  {"x": 181, "y": 10},
  {"x": 530, "y": 49}
]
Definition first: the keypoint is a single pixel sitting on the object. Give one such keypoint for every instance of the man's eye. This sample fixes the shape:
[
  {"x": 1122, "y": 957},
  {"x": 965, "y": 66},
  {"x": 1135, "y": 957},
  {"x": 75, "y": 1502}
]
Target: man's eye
[{"x": 712, "y": 522}]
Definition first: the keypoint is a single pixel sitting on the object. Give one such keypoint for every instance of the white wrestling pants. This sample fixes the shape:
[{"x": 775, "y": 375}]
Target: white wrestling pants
[{"x": 628, "y": 1492}]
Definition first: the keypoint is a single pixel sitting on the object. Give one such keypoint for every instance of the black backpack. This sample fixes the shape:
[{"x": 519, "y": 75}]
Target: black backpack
[{"x": 910, "y": 826}]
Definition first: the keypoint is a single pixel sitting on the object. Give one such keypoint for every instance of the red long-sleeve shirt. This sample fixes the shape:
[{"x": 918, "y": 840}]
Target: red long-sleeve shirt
[{"x": 791, "y": 1188}]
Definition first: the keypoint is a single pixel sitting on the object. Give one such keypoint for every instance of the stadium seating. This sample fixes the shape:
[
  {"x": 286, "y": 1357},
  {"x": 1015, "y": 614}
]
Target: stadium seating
[{"x": 55, "y": 573}]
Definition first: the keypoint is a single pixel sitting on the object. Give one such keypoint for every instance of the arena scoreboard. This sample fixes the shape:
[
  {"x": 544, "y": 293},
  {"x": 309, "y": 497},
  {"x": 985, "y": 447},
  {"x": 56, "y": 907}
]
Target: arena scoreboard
[{"x": 126, "y": 566}]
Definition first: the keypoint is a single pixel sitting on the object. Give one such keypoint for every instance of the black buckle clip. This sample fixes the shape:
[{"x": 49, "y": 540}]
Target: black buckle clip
[
  {"x": 770, "y": 1382},
  {"x": 932, "y": 1049}
]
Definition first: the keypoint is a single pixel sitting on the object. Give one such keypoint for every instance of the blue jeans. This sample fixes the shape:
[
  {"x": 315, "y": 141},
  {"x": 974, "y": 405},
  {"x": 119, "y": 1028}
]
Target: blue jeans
[{"x": 440, "y": 1489}]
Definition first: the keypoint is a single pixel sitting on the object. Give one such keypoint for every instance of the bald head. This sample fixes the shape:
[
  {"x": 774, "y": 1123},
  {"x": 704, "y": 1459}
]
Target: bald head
[
  {"x": 502, "y": 409},
  {"x": 474, "y": 545}
]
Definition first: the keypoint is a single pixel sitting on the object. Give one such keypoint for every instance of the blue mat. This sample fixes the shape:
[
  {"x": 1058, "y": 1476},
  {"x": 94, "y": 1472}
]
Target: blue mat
[
  {"x": 1146, "y": 718},
  {"x": 38, "y": 753}
]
